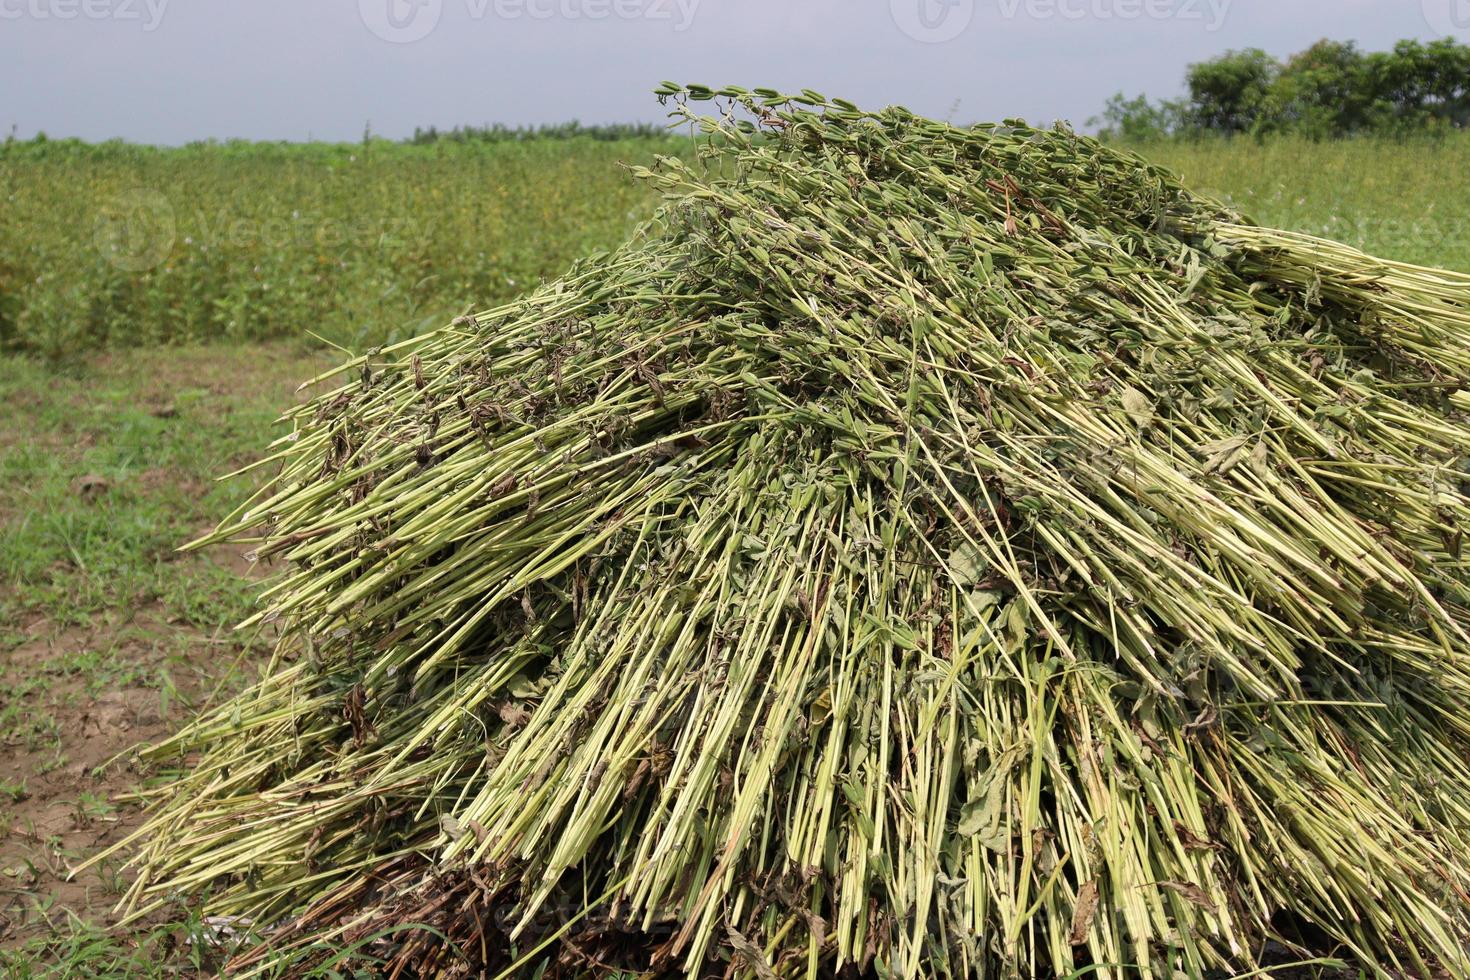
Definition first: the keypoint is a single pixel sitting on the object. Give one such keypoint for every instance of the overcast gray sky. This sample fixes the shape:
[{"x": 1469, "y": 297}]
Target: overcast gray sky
[{"x": 169, "y": 71}]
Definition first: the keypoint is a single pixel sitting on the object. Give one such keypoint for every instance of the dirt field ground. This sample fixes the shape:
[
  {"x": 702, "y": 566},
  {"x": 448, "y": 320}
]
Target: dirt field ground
[{"x": 108, "y": 635}]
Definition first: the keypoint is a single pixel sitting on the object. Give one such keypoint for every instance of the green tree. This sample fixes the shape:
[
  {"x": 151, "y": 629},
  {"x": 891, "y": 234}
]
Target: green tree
[
  {"x": 1230, "y": 93},
  {"x": 1331, "y": 89},
  {"x": 1323, "y": 92},
  {"x": 1138, "y": 120},
  {"x": 1420, "y": 85}
]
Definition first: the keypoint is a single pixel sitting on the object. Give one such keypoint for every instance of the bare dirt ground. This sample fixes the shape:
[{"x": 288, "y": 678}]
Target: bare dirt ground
[
  {"x": 73, "y": 799},
  {"x": 109, "y": 637}
]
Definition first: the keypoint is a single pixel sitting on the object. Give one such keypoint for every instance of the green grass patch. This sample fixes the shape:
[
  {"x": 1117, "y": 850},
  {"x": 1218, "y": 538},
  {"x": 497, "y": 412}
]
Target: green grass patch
[
  {"x": 109, "y": 468},
  {"x": 1400, "y": 200}
]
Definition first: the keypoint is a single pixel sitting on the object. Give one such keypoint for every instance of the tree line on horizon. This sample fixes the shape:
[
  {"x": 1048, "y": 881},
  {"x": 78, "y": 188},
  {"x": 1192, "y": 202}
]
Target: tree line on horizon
[
  {"x": 500, "y": 133},
  {"x": 1331, "y": 90}
]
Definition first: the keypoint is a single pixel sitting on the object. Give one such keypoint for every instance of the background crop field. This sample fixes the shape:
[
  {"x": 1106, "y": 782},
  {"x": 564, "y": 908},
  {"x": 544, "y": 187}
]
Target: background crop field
[
  {"x": 156, "y": 308},
  {"x": 360, "y": 244},
  {"x": 367, "y": 243},
  {"x": 1402, "y": 200}
]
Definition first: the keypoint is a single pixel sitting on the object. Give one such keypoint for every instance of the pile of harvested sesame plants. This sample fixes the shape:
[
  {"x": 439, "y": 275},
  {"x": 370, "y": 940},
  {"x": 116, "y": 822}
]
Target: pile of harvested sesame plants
[{"x": 922, "y": 551}]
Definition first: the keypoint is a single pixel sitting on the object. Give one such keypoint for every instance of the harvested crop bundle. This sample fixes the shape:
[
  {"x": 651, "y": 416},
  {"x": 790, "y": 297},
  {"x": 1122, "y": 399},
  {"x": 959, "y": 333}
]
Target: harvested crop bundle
[{"x": 922, "y": 551}]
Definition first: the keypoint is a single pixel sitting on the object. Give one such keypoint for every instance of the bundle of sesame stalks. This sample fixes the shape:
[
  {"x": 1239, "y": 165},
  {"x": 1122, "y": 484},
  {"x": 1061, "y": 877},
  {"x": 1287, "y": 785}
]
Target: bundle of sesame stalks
[{"x": 922, "y": 551}]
